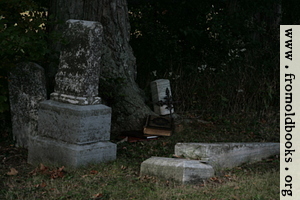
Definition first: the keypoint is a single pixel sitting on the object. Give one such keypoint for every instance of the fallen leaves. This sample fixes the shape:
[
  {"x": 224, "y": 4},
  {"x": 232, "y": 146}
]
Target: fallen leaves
[
  {"x": 12, "y": 172},
  {"x": 216, "y": 180},
  {"x": 235, "y": 197},
  {"x": 123, "y": 167},
  {"x": 99, "y": 195},
  {"x": 148, "y": 179},
  {"x": 40, "y": 170},
  {"x": 176, "y": 156},
  {"x": 93, "y": 172},
  {"x": 41, "y": 185},
  {"x": 54, "y": 174},
  {"x": 57, "y": 173},
  {"x": 236, "y": 188}
]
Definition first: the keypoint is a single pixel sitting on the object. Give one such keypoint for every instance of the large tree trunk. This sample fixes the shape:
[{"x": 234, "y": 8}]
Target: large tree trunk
[{"x": 118, "y": 66}]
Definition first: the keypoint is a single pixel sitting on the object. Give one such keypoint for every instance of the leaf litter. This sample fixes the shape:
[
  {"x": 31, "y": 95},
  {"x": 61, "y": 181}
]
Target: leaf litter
[
  {"x": 53, "y": 174},
  {"x": 12, "y": 172}
]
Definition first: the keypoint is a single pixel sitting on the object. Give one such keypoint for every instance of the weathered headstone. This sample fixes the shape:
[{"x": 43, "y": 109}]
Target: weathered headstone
[
  {"x": 161, "y": 92},
  {"x": 74, "y": 128},
  {"x": 202, "y": 160},
  {"x": 227, "y": 155},
  {"x": 77, "y": 78},
  {"x": 27, "y": 87},
  {"x": 180, "y": 170}
]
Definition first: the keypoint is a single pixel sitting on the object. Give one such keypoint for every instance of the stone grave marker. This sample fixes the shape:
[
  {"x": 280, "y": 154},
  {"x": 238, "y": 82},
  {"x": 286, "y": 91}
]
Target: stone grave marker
[
  {"x": 160, "y": 89},
  {"x": 180, "y": 170},
  {"x": 77, "y": 78},
  {"x": 74, "y": 127},
  {"x": 199, "y": 161},
  {"x": 227, "y": 154},
  {"x": 27, "y": 87}
]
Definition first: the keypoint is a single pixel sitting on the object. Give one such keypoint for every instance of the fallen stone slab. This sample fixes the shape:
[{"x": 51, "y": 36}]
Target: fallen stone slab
[
  {"x": 56, "y": 152},
  {"x": 226, "y": 155},
  {"x": 180, "y": 170}
]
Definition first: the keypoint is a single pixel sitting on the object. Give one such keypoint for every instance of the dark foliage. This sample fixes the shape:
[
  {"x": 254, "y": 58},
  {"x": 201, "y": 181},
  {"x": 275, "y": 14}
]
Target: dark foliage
[{"x": 220, "y": 56}]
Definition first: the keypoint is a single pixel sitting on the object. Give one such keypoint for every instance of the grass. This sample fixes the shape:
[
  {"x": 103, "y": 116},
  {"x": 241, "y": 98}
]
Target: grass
[{"x": 120, "y": 179}]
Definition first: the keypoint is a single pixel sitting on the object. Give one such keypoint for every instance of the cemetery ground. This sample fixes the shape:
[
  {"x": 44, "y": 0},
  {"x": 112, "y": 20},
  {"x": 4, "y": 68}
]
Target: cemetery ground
[{"x": 120, "y": 179}]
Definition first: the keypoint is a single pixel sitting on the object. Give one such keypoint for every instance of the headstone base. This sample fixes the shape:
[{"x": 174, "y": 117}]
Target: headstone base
[
  {"x": 75, "y": 124},
  {"x": 55, "y": 152},
  {"x": 72, "y": 135}
]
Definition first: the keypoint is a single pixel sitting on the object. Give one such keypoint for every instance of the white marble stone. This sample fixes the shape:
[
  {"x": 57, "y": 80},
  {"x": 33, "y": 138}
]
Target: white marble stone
[
  {"x": 158, "y": 90},
  {"x": 227, "y": 155},
  {"x": 181, "y": 170}
]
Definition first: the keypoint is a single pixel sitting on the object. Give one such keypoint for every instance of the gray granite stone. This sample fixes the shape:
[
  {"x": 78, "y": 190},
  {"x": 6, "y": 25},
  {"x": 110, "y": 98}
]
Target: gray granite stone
[
  {"x": 27, "y": 87},
  {"x": 227, "y": 155},
  {"x": 56, "y": 152},
  {"x": 181, "y": 170},
  {"x": 77, "y": 79},
  {"x": 73, "y": 123},
  {"x": 73, "y": 127}
]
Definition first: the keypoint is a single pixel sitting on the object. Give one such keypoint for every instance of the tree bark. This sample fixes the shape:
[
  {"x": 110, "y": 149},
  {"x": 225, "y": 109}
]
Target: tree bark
[{"x": 118, "y": 61}]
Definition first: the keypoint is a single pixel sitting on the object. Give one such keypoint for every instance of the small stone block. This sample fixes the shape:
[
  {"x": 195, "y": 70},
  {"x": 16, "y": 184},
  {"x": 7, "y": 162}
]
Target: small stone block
[
  {"x": 227, "y": 155},
  {"x": 180, "y": 170},
  {"x": 50, "y": 151},
  {"x": 158, "y": 90},
  {"x": 75, "y": 124}
]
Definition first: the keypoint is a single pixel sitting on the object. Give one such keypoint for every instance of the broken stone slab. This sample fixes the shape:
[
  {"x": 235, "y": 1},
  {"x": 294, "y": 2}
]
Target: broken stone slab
[
  {"x": 27, "y": 87},
  {"x": 180, "y": 170},
  {"x": 55, "y": 152},
  {"x": 74, "y": 124},
  {"x": 77, "y": 79},
  {"x": 226, "y": 155}
]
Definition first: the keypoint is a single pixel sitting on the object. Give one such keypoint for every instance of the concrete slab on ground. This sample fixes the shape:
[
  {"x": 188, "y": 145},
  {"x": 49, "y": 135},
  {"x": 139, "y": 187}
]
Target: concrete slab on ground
[
  {"x": 226, "y": 155},
  {"x": 181, "y": 170}
]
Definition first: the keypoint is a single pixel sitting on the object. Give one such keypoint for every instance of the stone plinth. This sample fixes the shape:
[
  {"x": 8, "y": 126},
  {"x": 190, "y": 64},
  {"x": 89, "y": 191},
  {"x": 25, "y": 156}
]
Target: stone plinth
[
  {"x": 180, "y": 170},
  {"x": 27, "y": 87},
  {"x": 158, "y": 90},
  {"x": 73, "y": 123},
  {"x": 55, "y": 152},
  {"x": 77, "y": 79},
  {"x": 227, "y": 155},
  {"x": 72, "y": 135}
]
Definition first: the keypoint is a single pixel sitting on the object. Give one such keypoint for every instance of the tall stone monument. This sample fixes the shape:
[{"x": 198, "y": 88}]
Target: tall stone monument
[{"x": 74, "y": 127}]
